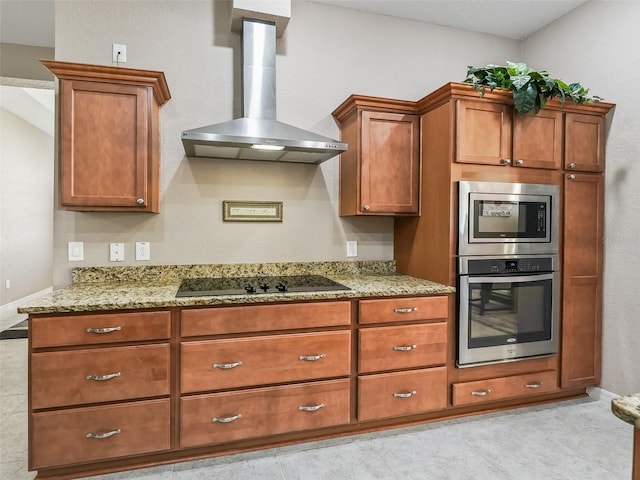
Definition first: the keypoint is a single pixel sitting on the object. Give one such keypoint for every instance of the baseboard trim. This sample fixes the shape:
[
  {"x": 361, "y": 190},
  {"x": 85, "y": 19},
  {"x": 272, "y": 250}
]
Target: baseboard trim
[
  {"x": 8, "y": 312},
  {"x": 598, "y": 393}
]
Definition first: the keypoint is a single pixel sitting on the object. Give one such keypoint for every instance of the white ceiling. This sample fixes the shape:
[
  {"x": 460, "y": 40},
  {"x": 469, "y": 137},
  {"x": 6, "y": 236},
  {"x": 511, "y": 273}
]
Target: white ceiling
[{"x": 31, "y": 22}]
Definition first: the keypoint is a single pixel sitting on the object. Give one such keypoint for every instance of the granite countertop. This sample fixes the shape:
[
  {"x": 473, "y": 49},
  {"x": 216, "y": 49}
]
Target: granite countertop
[
  {"x": 119, "y": 288},
  {"x": 627, "y": 408}
]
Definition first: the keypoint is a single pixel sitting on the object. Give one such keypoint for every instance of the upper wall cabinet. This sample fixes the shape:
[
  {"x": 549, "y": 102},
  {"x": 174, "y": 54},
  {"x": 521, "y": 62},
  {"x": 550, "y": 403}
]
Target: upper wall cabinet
[
  {"x": 491, "y": 134},
  {"x": 380, "y": 172},
  {"x": 584, "y": 142},
  {"x": 109, "y": 137}
]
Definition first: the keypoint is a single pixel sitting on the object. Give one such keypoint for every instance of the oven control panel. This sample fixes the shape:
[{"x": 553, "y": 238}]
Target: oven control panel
[{"x": 507, "y": 265}]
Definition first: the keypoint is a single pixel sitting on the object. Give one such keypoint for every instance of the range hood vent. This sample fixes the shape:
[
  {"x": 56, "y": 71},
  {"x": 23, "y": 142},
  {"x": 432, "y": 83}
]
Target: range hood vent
[{"x": 258, "y": 135}]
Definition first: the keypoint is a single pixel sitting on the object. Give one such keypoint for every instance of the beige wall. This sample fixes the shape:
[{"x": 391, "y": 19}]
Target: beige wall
[
  {"x": 21, "y": 61},
  {"x": 326, "y": 54},
  {"x": 597, "y": 45},
  {"x": 26, "y": 193}
]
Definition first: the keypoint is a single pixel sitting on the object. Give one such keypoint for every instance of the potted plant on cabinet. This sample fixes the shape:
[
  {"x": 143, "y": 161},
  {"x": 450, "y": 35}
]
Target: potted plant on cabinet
[{"x": 531, "y": 88}]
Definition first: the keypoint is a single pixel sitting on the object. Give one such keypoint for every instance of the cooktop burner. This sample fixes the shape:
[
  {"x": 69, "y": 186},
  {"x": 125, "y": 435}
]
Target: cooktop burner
[{"x": 200, "y": 287}]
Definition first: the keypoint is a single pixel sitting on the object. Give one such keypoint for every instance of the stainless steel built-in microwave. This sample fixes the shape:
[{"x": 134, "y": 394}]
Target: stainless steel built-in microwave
[{"x": 507, "y": 218}]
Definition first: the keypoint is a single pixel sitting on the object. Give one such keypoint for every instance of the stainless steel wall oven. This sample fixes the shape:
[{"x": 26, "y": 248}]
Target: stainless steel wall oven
[
  {"x": 508, "y": 308},
  {"x": 508, "y": 272}
]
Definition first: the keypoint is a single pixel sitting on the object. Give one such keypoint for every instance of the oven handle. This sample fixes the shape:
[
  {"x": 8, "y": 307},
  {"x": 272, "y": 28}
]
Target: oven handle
[{"x": 511, "y": 279}]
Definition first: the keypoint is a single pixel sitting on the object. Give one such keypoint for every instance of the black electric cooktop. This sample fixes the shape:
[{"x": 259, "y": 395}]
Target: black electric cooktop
[{"x": 200, "y": 287}]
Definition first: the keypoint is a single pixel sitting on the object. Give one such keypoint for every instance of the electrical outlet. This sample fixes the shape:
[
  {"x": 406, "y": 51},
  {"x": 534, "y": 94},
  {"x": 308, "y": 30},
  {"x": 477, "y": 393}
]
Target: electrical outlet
[
  {"x": 75, "y": 251},
  {"x": 119, "y": 53},
  {"x": 352, "y": 248},
  {"x": 143, "y": 251},
  {"x": 116, "y": 252},
  {"x": 7, "y": 283}
]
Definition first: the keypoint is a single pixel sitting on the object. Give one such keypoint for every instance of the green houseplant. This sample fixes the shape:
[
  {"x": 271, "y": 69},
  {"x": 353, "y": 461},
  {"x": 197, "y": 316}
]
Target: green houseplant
[{"x": 531, "y": 88}]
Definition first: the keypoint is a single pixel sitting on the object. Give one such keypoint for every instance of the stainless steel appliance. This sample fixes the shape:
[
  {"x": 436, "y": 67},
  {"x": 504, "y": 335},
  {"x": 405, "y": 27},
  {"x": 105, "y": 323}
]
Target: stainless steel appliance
[
  {"x": 508, "y": 308},
  {"x": 507, "y": 218},
  {"x": 199, "y": 287}
]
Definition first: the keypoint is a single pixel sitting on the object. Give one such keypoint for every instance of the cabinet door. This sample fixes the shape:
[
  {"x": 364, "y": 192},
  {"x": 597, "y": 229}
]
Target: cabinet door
[
  {"x": 582, "y": 280},
  {"x": 537, "y": 140},
  {"x": 104, "y": 146},
  {"x": 483, "y": 132},
  {"x": 390, "y": 163},
  {"x": 584, "y": 142}
]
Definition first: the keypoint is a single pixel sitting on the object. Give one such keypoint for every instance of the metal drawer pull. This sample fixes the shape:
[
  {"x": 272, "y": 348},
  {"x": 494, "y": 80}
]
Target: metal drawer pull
[
  {"x": 311, "y": 358},
  {"x": 226, "y": 419},
  {"x": 100, "y": 436},
  {"x": 104, "y": 330},
  {"x": 406, "y": 310},
  {"x": 533, "y": 385},
  {"x": 405, "y": 395},
  {"x": 226, "y": 366},
  {"x": 101, "y": 378},
  {"x": 314, "y": 408},
  {"x": 481, "y": 393},
  {"x": 405, "y": 349}
]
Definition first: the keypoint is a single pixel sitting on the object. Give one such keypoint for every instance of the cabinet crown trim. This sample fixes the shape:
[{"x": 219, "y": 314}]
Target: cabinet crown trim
[
  {"x": 354, "y": 102},
  {"x": 102, "y": 73}
]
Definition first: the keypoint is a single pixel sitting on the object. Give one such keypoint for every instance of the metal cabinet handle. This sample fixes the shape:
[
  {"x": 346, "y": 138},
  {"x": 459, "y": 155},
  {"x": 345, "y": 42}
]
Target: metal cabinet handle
[
  {"x": 572, "y": 165},
  {"x": 226, "y": 419},
  {"x": 405, "y": 310},
  {"x": 481, "y": 393},
  {"x": 533, "y": 385},
  {"x": 102, "y": 378},
  {"x": 366, "y": 208},
  {"x": 405, "y": 395},
  {"x": 519, "y": 161},
  {"x": 226, "y": 366},
  {"x": 404, "y": 348},
  {"x": 104, "y": 329},
  {"x": 313, "y": 408},
  {"x": 505, "y": 161},
  {"x": 140, "y": 201},
  {"x": 100, "y": 436},
  {"x": 571, "y": 176},
  {"x": 311, "y": 358}
]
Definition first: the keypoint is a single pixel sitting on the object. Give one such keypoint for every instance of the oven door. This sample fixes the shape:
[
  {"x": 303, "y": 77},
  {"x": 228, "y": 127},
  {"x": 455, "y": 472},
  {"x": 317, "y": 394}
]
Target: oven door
[{"x": 505, "y": 317}]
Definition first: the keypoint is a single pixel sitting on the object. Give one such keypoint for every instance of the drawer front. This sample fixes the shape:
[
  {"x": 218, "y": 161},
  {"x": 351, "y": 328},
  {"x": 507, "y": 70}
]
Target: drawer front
[
  {"x": 223, "y": 417},
  {"x": 61, "y": 437},
  {"x": 99, "y": 375},
  {"x": 260, "y": 318},
  {"x": 100, "y": 328},
  {"x": 222, "y": 364},
  {"x": 407, "y": 346},
  {"x": 504, "y": 387},
  {"x": 403, "y": 309},
  {"x": 403, "y": 393}
]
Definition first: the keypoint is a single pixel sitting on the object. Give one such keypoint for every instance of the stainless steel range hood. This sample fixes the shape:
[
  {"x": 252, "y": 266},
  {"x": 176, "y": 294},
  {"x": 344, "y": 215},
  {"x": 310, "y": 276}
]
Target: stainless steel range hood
[{"x": 258, "y": 135}]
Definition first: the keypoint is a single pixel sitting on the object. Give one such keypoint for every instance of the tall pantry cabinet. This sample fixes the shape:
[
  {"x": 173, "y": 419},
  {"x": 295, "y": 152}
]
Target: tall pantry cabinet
[{"x": 467, "y": 137}]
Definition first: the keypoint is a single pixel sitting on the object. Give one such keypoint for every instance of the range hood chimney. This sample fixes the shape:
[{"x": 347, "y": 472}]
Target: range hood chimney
[{"x": 258, "y": 135}]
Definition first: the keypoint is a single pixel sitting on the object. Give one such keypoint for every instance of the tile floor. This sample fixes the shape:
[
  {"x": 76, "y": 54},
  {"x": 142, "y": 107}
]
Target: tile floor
[{"x": 571, "y": 440}]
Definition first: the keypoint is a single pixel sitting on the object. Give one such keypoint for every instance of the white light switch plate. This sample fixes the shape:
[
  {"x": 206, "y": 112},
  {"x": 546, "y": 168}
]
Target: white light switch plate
[
  {"x": 352, "y": 248},
  {"x": 116, "y": 252},
  {"x": 75, "y": 251}
]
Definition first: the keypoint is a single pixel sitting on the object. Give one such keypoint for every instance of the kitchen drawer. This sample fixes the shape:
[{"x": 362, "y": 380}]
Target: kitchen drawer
[
  {"x": 259, "y": 318},
  {"x": 402, "y": 393},
  {"x": 403, "y": 309},
  {"x": 61, "y": 437},
  {"x": 229, "y": 363},
  {"x": 504, "y": 387},
  {"x": 61, "y": 378},
  {"x": 99, "y": 328},
  {"x": 406, "y": 346},
  {"x": 263, "y": 411}
]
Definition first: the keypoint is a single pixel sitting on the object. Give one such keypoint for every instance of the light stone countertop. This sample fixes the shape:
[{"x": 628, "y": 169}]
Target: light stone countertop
[
  {"x": 627, "y": 408},
  {"x": 119, "y": 288}
]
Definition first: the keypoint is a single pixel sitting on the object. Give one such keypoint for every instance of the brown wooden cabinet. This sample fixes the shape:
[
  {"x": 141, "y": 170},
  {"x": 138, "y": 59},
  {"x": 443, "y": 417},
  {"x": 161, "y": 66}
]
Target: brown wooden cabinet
[
  {"x": 380, "y": 172},
  {"x": 491, "y": 133},
  {"x": 582, "y": 279},
  {"x": 584, "y": 142},
  {"x": 109, "y": 137}
]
